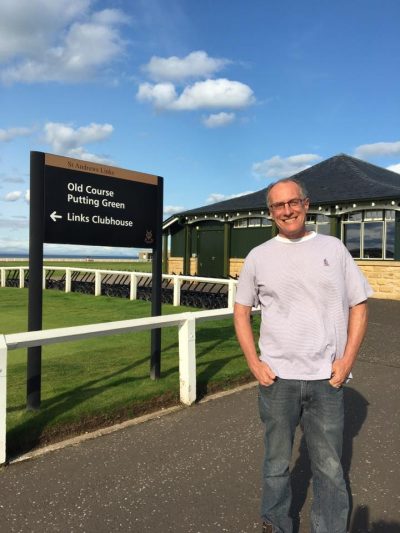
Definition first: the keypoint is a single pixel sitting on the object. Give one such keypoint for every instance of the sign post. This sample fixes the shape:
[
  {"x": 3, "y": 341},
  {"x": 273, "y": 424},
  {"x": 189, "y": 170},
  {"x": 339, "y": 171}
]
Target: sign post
[
  {"x": 84, "y": 203},
  {"x": 35, "y": 301},
  {"x": 156, "y": 289}
]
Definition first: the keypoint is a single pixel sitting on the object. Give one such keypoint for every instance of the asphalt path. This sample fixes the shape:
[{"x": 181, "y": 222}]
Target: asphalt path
[{"x": 197, "y": 469}]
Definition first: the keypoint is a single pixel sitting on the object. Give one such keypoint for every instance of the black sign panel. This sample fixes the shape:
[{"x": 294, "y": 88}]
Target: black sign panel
[
  {"x": 93, "y": 204},
  {"x": 78, "y": 202}
]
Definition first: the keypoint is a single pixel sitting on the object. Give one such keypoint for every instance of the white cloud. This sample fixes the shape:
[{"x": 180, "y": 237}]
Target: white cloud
[
  {"x": 195, "y": 65},
  {"x": 218, "y": 197},
  {"x": 283, "y": 167},
  {"x": 394, "y": 168},
  {"x": 161, "y": 95},
  {"x": 378, "y": 149},
  {"x": 167, "y": 93},
  {"x": 28, "y": 26},
  {"x": 66, "y": 140},
  {"x": 14, "y": 223},
  {"x": 81, "y": 153},
  {"x": 208, "y": 94},
  {"x": 27, "y": 196},
  {"x": 218, "y": 120},
  {"x": 172, "y": 209},
  {"x": 14, "y": 179},
  {"x": 214, "y": 94},
  {"x": 43, "y": 40},
  {"x": 12, "y": 133},
  {"x": 12, "y": 245},
  {"x": 12, "y": 196}
]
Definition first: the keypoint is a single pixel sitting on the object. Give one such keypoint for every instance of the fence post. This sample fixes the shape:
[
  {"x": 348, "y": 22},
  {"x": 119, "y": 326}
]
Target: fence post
[
  {"x": 133, "y": 287},
  {"x": 97, "y": 283},
  {"x": 231, "y": 293},
  {"x": 3, "y": 277},
  {"x": 187, "y": 360},
  {"x": 3, "y": 397},
  {"x": 177, "y": 291},
  {"x": 67, "y": 280},
  {"x": 21, "y": 278},
  {"x": 44, "y": 278}
]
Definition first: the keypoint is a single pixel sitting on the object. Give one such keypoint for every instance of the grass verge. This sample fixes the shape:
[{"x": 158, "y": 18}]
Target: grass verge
[{"x": 97, "y": 382}]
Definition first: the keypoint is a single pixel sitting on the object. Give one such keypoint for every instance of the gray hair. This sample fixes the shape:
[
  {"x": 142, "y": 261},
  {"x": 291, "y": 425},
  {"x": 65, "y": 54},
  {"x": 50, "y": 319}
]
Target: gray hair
[{"x": 300, "y": 184}]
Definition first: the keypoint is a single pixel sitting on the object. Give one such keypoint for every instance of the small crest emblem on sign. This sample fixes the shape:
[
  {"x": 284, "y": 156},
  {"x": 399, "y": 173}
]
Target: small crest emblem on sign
[{"x": 149, "y": 239}]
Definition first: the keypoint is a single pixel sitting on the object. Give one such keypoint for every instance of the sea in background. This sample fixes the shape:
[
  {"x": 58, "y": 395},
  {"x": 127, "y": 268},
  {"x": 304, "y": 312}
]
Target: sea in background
[{"x": 25, "y": 257}]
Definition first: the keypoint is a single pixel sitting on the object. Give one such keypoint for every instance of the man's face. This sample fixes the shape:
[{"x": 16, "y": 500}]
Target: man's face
[{"x": 291, "y": 220}]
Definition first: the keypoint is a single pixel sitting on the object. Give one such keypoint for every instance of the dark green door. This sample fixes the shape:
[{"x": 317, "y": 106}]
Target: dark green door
[{"x": 210, "y": 252}]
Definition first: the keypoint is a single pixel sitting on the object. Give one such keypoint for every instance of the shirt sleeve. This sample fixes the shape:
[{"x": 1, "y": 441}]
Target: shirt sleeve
[
  {"x": 247, "y": 290},
  {"x": 358, "y": 288}
]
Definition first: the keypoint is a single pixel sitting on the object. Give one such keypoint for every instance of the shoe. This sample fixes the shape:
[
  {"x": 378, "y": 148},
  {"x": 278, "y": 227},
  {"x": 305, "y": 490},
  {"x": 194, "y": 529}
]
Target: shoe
[{"x": 267, "y": 528}]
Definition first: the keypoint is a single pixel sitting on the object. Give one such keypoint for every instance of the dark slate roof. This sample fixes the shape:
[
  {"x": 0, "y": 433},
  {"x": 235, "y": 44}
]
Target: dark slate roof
[{"x": 341, "y": 178}]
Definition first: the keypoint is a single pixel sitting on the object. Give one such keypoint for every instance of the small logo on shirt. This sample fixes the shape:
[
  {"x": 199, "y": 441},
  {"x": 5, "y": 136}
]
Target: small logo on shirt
[{"x": 326, "y": 262}]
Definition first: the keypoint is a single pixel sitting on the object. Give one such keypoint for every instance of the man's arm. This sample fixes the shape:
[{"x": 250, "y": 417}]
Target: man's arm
[
  {"x": 358, "y": 320},
  {"x": 261, "y": 371}
]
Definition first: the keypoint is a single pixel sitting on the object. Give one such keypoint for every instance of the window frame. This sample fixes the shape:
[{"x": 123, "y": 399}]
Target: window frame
[{"x": 364, "y": 220}]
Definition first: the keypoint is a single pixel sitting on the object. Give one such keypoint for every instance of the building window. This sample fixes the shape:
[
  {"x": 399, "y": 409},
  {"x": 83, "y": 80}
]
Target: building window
[
  {"x": 369, "y": 234},
  {"x": 240, "y": 223},
  {"x": 318, "y": 223},
  {"x": 373, "y": 240},
  {"x": 352, "y": 238},
  {"x": 253, "y": 222},
  {"x": 390, "y": 231},
  {"x": 373, "y": 215},
  {"x": 353, "y": 217},
  {"x": 265, "y": 222}
]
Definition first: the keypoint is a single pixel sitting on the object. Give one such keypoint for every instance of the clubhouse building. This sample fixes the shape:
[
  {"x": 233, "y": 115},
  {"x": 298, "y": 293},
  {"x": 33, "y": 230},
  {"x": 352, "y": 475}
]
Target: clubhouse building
[{"x": 351, "y": 199}]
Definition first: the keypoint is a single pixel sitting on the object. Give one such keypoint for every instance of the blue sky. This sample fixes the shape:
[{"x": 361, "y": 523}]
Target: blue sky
[{"x": 219, "y": 97}]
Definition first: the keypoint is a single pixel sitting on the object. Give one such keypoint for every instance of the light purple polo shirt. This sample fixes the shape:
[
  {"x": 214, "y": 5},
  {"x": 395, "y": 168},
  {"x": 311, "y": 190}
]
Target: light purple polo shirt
[{"x": 305, "y": 288}]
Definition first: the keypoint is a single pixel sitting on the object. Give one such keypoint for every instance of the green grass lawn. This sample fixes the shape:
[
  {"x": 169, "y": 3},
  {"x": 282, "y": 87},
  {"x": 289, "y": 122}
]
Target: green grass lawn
[{"x": 95, "y": 382}]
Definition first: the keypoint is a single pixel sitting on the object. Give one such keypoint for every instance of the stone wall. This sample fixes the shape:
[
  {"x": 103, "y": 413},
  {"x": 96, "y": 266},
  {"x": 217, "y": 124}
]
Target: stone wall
[
  {"x": 235, "y": 266},
  {"x": 175, "y": 265},
  {"x": 193, "y": 266},
  {"x": 384, "y": 278}
]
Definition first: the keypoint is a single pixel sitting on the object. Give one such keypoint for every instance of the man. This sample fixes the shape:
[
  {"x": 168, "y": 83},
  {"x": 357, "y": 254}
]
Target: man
[{"x": 313, "y": 302}]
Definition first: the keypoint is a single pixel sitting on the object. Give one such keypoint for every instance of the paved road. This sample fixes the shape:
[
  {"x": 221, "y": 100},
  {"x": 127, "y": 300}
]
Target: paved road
[{"x": 197, "y": 470}]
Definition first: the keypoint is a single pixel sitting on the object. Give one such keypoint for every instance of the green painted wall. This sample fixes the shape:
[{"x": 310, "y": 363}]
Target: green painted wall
[
  {"x": 194, "y": 241},
  {"x": 335, "y": 227},
  {"x": 227, "y": 247},
  {"x": 244, "y": 239},
  {"x": 178, "y": 242},
  {"x": 188, "y": 250}
]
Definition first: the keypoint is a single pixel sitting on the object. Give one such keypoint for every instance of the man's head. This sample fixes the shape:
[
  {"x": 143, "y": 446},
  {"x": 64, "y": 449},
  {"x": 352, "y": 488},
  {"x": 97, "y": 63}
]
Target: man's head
[{"x": 288, "y": 205}]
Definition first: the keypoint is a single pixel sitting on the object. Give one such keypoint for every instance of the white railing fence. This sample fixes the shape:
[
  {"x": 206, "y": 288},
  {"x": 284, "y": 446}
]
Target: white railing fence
[
  {"x": 186, "y": 323},
  {"x": 134, "y": 277}
]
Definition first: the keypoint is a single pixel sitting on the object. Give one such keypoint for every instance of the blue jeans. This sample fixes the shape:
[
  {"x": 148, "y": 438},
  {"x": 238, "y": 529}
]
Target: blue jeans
[{"x": 318, "y": 407}]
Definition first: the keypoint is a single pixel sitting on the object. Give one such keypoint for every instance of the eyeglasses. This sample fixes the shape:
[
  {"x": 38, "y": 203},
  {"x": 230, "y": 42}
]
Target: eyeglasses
[{"x": 294, "y": 202}]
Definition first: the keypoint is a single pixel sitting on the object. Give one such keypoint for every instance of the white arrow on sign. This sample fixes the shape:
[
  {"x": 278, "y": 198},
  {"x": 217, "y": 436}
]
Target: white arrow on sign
[{"x": 54, "y": 216}]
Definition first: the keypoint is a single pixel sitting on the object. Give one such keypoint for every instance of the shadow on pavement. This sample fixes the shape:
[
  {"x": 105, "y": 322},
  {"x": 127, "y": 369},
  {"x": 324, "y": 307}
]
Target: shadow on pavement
[{"x": 360, "y": 523}]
